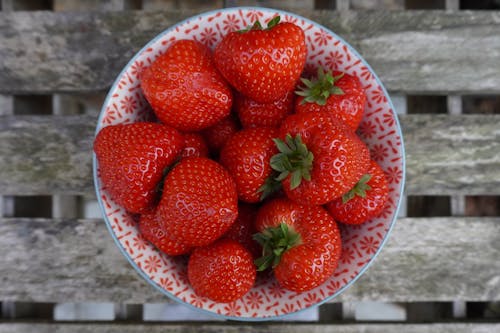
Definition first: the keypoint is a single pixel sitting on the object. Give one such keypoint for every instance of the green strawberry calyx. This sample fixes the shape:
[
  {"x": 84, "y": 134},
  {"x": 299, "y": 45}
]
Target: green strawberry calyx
[
  {"x": 359, "y": 189},
  {"x": 258, "y": 26},
  {"x": 293, "y": 159},
  {"x": 317, "y": 90},
  {"x": 275, "y": 241},
  {"x": 270, "y": 186}
]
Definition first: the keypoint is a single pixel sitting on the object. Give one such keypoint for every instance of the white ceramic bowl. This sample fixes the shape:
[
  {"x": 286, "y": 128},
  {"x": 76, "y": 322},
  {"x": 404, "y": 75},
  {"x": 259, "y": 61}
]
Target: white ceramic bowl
[{"x": 379, "y": 129}]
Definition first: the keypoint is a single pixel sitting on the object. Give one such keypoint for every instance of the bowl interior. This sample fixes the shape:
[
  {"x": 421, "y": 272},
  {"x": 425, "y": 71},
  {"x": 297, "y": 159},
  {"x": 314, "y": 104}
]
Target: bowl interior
[{"x": 379, "y": 130}]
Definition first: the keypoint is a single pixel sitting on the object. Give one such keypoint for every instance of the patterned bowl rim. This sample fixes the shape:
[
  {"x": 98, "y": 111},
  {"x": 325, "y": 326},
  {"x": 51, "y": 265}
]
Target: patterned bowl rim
[{"x": 398, "y": 130}]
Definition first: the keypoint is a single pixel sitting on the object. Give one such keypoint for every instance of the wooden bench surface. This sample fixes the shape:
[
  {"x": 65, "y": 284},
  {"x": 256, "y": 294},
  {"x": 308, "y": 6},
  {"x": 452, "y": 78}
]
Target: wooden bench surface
[
  {"x": 414, "y": 52},
  {"x": 254, "y": 328},
  {"x": 411, "y": 51},
  {"x": 432, "y": 259},
  {"x": 446, "y": 154}
]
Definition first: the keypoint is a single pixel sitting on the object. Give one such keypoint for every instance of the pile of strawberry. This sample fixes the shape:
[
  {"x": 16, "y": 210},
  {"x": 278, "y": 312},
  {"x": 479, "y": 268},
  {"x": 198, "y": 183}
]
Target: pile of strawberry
[{"x": 248, "y": 167}]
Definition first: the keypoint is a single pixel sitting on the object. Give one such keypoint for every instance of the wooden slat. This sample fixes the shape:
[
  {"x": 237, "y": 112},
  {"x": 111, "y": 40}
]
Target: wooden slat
[
  {"x": 46, "y": 154},
  {"x": 446, "y": 154},
  {"x": 412, "y": 51},
  {"x": 452, "y": 154},
  {"x": 460, "y": 327},
  {"x": 434, "y": 259}
]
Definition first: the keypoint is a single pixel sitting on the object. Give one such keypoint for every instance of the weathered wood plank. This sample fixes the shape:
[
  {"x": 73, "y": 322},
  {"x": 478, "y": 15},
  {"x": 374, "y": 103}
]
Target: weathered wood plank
[
  {"x": 46, "y": 154},
  {"x": 446, "y": 154},
  {"x": 412, "y": 51},
  {"x": 462, "y": 327},
  {"x": 452, "y": 154},
  {"x": 434, "y": 259}
]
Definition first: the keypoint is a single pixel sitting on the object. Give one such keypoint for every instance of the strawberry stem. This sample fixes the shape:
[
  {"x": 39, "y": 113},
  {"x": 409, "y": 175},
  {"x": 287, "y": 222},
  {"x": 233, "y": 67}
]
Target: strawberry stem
[
  {"x": 317, "y": 90},
  {"x": 293, "y": 159},
  {"x": 274, "y": 22},
  {"x": 359, "y": 189},
  {"x": 270, "y": 186},
  {"x": 275, "y": 241},
  {"x": 257, "y": 26}
]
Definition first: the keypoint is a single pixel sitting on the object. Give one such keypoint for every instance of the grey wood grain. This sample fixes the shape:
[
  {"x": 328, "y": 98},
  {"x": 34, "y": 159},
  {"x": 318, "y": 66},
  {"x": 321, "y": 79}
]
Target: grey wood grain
[
  {"x": 446, "y": 154},
  {"x": 46, "y": 154},
  {"x": 412, "y": 51},
  {"x": 452, "y": 154},
  {"x": 431, "y": 259},
  {"x": 247, "y": 328}
]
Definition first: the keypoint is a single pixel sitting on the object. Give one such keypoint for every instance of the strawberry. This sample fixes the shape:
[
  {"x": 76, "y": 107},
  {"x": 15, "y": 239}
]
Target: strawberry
[
  {"x": 255, "y": 114},
  {"x": 263, "y": 64},
  {"x": 151, "y": 228},
  {"x": 301, "y": 243},
  {"x": 199, "y": 201},
  {"x": 222, "y": 271},
  {"x": 320, "y": 158},
  {"x": 194, "y": 145},
  {"x": 339, "y": 93},
  {"x": 217, "y": 135},
  {"x": 363, "y": 202},
  {"x": 246, "y": 156},
  {"x": 243, "y": 228},
  {"x": 131, "y": 160},
  {"x": 185, "y": 89}
]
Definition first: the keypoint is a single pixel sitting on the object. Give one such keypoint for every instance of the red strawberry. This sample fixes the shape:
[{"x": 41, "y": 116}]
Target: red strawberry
[
  {"x": 184, "y": 88},
  {"x": 246, "y": 156},
  {"x": 199, "y": 201},
  {"x": 131, "y": 160},
  {"x": 217, "y": 135},
  {"x": 301, "y": 243},
  {"x": 194, "y": 145},
  {"x": 263, "y": 64},
  {"x": 243, "y": 228},
  {"x": 151, "y": 229},
  {"x": 222, "y": 271},
  {"x": 320, "y": 158},
  {"x": 363, "y": 202},
  {"x": 255, "y": 114},
  {"x": 340, "y": 94}
]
